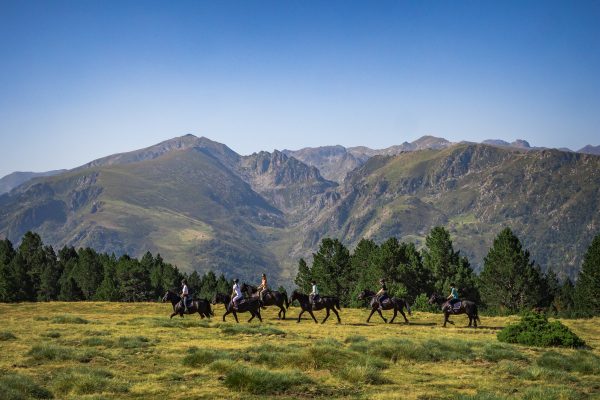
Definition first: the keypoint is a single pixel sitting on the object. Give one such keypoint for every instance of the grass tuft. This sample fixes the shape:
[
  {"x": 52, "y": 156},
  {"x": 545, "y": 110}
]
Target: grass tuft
[
  {"x": 581, "y": 361},
  {"x": 6, "y": 335},
  {"x": 355, "y": 339},
  {"x": 50, "y": 352},
  {"x": 203, "y": 357},
  {"x": 133, "y": 342},
  {"x": 86, "y": 381},
  {"x": 69, "y": 319},
  {"x": 51, "y": 334},
  {"x": 496, "y": 352},
  {"x": 20, "y": 387},
  {"x": 264, "y": 330},
  {"x": 263, "y": 382}
]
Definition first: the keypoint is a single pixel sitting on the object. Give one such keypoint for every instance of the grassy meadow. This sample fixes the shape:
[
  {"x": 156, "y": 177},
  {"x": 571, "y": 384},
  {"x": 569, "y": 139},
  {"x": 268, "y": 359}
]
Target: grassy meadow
[{"x": 133, "y": 351}]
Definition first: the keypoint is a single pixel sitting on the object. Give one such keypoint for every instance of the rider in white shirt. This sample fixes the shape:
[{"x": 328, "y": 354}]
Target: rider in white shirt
[
  {"x": 184, "y": 294},
  {"x": 314, "y": 295},
  {"x": 237, "y": 292}
]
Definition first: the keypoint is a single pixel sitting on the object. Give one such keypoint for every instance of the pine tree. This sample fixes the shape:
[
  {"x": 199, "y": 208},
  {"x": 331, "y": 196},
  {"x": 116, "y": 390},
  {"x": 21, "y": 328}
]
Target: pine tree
[
  {"x": 332, "y": 269},
  {"x": 508, "y": 279},
  {"x": 88, "y": 272},
  {"x": 565, "y": 300},
  {"x": 49, "y": 278},
  {"x": 7, "y": 284},
  {"x": 587, "y": 290},
  {"x": 108, "y": 289},
  {"x": 303, "y": 277}
]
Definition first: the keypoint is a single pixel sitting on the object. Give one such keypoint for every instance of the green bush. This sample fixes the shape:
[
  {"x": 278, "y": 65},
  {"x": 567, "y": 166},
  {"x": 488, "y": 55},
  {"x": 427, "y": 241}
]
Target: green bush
[
  {"x": 534, "y": 329},
  {"x": 422, "y": 304},
  {"x": 20, "y": 387}
]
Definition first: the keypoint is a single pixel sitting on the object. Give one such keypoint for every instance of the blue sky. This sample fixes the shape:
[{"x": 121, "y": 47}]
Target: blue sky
[{"x": 84, "y": 79}]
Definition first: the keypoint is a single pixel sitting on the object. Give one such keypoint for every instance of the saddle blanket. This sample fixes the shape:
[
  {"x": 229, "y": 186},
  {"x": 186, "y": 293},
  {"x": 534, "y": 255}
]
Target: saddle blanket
[{"x": 457, "y": 306}]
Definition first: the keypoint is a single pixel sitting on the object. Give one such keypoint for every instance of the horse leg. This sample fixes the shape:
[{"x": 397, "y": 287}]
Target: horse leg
[
  {"x": 326, "y": 315},
  {"x": 445, "y": 318},
  {"x": 174, "y": 314},
  {"x": 299, "y": 315},
  {"x": 337, "y": 315},
  {"x": 404, "y": 315},
  {"x": 253, "y": 313},
  {"x": 281, "y": 311},
  {"x": 394, "y": 316},
  {"x": 235, "y": 316},
  {"x": 381, "y": 315},
  {"x": 258, "y": 314},
  {"x": 370, "y": 315},
  {"x": 226, "y": 312},
  {"x": 313, "y": 316}
]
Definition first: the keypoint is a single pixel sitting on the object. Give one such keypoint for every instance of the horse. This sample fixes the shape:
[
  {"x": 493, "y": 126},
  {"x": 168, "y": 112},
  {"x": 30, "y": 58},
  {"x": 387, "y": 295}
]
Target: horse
[
  {"x": 246, "y": 305},
  {"x": 466, "y": 307},
  {"x": 325, "y": 302},
  {"x": 202, "y": 306},
  {"x": 394, "y": 303},
  {"x": 271, "y": 298}
]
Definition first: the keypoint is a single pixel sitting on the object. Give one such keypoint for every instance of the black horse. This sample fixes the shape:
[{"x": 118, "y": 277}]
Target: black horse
[
  {"x": 271, "y": 298},
  {"x": 246, "y": 305},
  {"x": 466, "y": 307},
  {"x": 392, "y": 303},
  {"x": 201, "y": 307},
  {"x": 325, "y": 302}
]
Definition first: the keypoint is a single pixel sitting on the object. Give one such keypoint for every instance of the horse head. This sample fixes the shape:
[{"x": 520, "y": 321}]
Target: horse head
[
  {"x": 435, "y": 299},
  {"x": 365, "y": 294},
  {"x": 168, "y": 296}
]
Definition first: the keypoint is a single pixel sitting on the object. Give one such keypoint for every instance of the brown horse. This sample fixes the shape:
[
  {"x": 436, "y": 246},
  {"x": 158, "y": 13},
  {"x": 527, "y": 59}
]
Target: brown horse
[
  {"x": 466, "y": 307},
  {"x": 201, "y": 307},
  {"x": 325, "y": 302},
  {"x": 246, "y": 305},
  {"x": 271, "y": 298},
  {"x": 393, "y": 303}
]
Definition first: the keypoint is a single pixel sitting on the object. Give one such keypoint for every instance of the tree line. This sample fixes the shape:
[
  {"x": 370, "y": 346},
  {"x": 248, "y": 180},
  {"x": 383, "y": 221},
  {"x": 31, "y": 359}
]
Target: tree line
[
  {"x": 34, "y": 272},
  {"x": 509, "y": 282}
]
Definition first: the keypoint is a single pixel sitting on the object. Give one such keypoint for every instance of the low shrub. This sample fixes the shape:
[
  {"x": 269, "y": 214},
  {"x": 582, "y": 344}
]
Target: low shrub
[
  {"x": 263, "y": 382},
  {"x": 20, "y": 387},
  {"x": 51, "y": 334},
  {"x": 6, "y": 335},
  {"x": 534, "y": 329},
  {"x": 421, "y": 303},
  {"x": 69, "y": 319}
]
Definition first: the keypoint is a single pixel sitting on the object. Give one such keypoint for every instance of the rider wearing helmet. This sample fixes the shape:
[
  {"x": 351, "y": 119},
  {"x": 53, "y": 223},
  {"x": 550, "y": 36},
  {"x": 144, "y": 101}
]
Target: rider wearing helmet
[
  {"x": 382, "y": 295},
  {"x": 184, "y": 294},
  {"x": 236, "y": 295}
]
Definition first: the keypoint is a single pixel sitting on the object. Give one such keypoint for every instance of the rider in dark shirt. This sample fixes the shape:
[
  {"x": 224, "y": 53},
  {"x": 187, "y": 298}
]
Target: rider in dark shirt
[{"x": 382, "y": 294}]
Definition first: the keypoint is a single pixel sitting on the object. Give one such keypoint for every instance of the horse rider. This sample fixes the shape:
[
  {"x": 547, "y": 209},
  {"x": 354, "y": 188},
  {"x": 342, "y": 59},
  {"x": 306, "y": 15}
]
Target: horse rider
[
  {"x": 382, "y": 294},
  {"x": 184, "y": 294},
  {"x": 453, "y": 297},
  {"x": 263, "y": 287},
  {"x": 314, "y": 295},
  {"x": 236, "y": 294}
]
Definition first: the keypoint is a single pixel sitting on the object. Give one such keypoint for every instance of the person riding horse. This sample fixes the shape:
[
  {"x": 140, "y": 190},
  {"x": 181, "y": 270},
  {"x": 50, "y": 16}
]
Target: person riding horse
[
  {"x": 382, "y": 295},
  {"x": 184, "y": 294},
  {"x": 236, "y": 294},
  {"x": 263, "y": 287},
  {"x": 453, "y": 297},
  {"x": 314, "y": 294}
]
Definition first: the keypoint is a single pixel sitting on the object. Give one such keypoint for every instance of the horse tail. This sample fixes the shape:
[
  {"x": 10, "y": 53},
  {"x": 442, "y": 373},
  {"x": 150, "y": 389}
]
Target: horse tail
[{"x": 408, "y": 307}]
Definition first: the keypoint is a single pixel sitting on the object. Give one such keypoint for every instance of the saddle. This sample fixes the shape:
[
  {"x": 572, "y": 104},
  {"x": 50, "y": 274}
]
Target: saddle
[
  {"x": 455, "y": 307},
  {"x": 188, "y": 302},
  {"x": 385, "y": 302}
]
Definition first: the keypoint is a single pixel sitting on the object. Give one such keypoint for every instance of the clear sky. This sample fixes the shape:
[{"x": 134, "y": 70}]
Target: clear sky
[{"x": 84, "y": 79}]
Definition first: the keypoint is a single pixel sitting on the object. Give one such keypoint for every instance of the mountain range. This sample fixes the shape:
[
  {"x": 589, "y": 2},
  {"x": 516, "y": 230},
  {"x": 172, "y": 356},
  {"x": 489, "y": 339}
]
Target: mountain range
[{"x": 203, "y": 206}]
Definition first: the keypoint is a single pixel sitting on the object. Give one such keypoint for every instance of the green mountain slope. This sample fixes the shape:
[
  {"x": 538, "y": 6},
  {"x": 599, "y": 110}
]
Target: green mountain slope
[{"x": 550, "y": 198}]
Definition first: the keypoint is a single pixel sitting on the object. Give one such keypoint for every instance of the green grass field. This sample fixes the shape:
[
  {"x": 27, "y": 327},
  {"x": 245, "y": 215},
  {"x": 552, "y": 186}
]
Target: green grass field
[{"x": 133, "y": 351}]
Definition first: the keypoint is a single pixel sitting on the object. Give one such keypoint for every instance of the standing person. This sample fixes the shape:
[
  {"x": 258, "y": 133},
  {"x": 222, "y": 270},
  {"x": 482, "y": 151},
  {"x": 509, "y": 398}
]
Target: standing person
[
  {"x": 382, "y": 295},
  {"x": 263, "y": 288},
  {"x": 184, "y": 294},
  {"x": 314, "y": 295},
  {"x": 236, "y": 295},
  {"x": 453, "y": 296}
]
